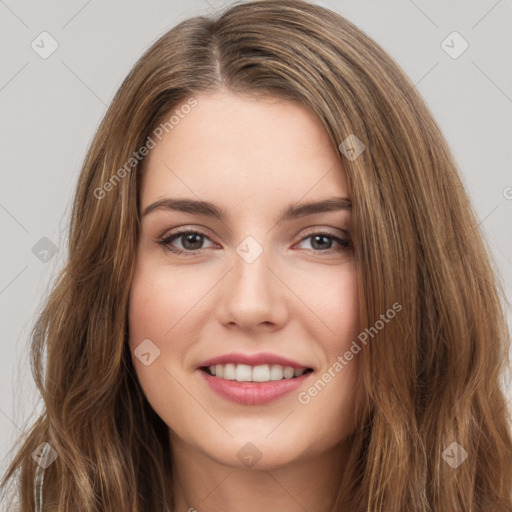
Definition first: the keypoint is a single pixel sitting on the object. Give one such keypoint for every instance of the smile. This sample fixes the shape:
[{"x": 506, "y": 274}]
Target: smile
[
  {"x": 260, "y": 373},
  {"x": 253, "y": 379}
]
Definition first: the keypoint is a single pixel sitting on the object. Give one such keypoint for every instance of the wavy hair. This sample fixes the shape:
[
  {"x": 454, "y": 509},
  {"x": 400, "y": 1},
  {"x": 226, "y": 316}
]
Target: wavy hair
[{"x": 431, "y": 377}]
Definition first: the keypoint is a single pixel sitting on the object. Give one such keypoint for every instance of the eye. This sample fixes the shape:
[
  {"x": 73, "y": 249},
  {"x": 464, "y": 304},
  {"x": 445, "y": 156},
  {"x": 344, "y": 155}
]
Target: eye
[
  {"x": 322, "y": 242},
  {"x": 191, "y": 241}
]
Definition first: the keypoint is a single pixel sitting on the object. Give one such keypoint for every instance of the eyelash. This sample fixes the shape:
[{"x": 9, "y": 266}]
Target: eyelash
[{"x": 345, "y": 243}]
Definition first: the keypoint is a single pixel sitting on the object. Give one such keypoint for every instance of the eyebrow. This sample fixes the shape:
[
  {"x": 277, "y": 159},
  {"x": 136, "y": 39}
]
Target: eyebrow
[{"x": 291, "y": 212}]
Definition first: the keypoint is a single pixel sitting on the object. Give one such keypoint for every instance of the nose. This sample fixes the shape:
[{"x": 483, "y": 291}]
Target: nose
[{"x": 253, "y": 296}]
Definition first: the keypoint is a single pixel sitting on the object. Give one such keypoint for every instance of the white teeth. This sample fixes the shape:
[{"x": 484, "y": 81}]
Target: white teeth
[
  {"x": 243, "y": 373},
  {"x": 229, "y": 372},
  {"x": 260, "y": 373},
  {"x": 288, "y": 372},
  {"x": 276, "y": 372}
]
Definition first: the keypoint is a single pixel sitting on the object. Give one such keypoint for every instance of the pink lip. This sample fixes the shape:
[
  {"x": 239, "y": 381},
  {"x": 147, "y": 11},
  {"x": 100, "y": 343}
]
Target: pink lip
[
  {"x": 252, "y": 360},
  {"x": 253, "y": 393}
]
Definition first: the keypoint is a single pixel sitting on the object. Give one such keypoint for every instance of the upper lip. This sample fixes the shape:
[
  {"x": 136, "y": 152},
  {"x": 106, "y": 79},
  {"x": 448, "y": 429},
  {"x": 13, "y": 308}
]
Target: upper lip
[{"x": 253, "y": 360}]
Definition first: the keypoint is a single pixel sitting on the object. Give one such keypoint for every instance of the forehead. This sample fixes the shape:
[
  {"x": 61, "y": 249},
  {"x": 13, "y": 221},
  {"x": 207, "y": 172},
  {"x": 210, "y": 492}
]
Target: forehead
[{"x": 235, "y": 145}]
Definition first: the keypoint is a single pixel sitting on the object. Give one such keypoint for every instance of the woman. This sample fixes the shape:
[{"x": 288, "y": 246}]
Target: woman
[{"x": 205, "y": 351}]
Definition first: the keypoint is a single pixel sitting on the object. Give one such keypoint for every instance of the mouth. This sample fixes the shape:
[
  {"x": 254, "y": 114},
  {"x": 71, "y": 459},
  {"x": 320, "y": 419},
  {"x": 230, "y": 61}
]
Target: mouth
[
  {"x": 253, "y": 379},
  {"x": 259, "y": 373}
]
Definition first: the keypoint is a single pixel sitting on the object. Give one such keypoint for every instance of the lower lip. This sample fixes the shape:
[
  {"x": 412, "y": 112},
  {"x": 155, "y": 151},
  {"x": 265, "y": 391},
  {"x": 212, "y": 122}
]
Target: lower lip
[{"x": 253, "y": 393}]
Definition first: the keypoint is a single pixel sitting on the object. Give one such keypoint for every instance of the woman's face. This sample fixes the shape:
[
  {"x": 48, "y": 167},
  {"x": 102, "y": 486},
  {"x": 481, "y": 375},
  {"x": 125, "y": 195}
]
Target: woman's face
[{"x": 264, "y": 289}]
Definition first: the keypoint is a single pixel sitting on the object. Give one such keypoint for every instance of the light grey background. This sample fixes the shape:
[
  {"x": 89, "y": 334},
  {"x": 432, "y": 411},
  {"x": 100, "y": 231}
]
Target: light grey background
[{"x": 51, "y": 107}]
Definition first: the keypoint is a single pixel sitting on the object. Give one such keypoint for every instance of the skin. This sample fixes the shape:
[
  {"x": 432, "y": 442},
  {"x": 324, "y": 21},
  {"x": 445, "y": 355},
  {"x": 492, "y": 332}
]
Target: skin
[{"x": 252, "y": 157}]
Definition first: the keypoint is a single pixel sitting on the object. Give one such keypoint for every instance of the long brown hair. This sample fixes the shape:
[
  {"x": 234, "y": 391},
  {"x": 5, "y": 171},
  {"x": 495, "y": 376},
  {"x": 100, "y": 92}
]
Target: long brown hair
[{"x": 431, "y": 377}]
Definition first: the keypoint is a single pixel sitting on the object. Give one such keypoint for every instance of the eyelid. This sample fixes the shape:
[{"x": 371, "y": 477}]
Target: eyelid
[
  {"x": 331, "y": 231},
  {"x": 344, "y": 241},
  {"x": 335, "y": 231},
  {"x": 176, "y": 234},
  {"x": 312, "y": 230}
]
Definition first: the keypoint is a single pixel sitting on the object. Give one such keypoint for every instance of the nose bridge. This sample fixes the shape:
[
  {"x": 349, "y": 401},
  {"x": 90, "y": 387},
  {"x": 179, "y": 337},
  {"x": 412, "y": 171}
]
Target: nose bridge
[
  {"x": 250, "y": 278},
  {"x": 252, "y": 294}
]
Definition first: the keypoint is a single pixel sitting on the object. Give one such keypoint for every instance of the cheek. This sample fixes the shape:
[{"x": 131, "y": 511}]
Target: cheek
[
  {"x": 169, "y": 309},
  {"x": 344, "y": 311},
  {"x": 152, "y": 313},
  {"x": 333, "y": 300},
  {"x": 146, "y": 302},
  {"x": 155, "y": 310},
  {"x": 337, "y": 324},
  {"x": 159, "y": 300}
]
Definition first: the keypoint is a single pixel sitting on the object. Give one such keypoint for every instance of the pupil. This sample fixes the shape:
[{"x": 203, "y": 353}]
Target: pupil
[
  {"x": 315, "y": 238},
  {"x": 195, "y": 239},
  {"x": 190, "y": 238}
]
